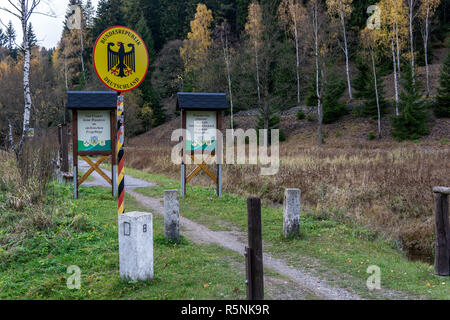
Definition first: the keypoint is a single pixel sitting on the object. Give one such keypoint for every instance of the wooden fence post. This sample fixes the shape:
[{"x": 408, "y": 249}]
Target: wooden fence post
[
  {"x": 254, "y": 254},
  {"x": 64, "y": 149},
  {"x": 442, "y": 254}
]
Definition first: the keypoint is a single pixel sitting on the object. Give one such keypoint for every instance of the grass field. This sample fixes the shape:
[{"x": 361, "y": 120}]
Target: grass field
[
  {"x": 33, "y": 264},
  {"x": 338, "y": 251},
  {"x": 382, "y": 186}
]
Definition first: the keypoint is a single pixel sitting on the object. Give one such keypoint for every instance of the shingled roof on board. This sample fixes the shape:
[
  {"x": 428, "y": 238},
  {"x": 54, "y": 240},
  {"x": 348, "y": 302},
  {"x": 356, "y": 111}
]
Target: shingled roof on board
[
  {"x": 92, "y": 100},
  {"x": 202, "y": 101}
]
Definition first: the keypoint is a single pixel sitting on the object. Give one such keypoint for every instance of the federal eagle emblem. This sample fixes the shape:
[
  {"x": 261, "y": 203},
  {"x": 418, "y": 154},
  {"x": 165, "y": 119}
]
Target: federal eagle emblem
[{"x": 121, "y": 63}]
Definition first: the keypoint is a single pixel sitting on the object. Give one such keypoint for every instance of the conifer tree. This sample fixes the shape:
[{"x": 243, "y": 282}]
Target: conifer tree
[
  {"x": 364, "y": 87},
  {"x": 152, "y": 113},
  {"x": 412, "y": 121},
  {"x": 442, "y": 103},
  {"x": 145, "y": 33},
  {"x": 333, "y": 109},
  {"x": 109, "y": 13},
  {"x": 10, "y": 36},
  {"x": 32, "y": 39},
  {"x": 273, "y": 123},
  {"x": 334, "y": 89},
  {"x": 89, "y": 13},
  {"x": 3, "y": 38}
]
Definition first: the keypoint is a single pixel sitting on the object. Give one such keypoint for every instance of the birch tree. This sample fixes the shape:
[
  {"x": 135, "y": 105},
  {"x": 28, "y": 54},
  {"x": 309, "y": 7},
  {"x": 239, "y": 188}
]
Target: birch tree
[
  {"x": 318, "y": 48},
  {"x": 426, "y": 12},
  {"x": 394, "y": 27},
  {"x": 254, "y": 30},
  {"x": 194, "y": 51},
  {"x": 411, "y": 4},
  {"x": 224, "y": 37},
  {"x": 342, "y": 9},
  {"x": 292, "y": 15},
  {"x": 369, "y": 39},
  {"x": 23, "y": 10}
]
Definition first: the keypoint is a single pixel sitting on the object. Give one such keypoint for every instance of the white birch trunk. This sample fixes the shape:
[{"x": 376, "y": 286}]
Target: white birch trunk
[
  {"x": 226, "y": 55},
  {"x": 347, "y": 67},
  {"x": 376, "y": 93},
  {"x": 425, "y": 43},
  {"x": 395, "y": 78},
  {"x": 411, "y": 36},
  {"x": 26, "y": 79},
  {"x": 316, "y": 53},
  {"x": 398, "y": 52},
  {"x": 257, "y": 74},
  {"x": 10, "y": 136},
  {"x": 297, "y": 56}
]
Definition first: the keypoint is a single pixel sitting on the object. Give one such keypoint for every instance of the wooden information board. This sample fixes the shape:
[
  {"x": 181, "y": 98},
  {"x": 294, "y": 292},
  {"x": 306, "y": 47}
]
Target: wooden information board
[
  {"x": 93, "y": 133},
  {"x": 201, "y": 116}
]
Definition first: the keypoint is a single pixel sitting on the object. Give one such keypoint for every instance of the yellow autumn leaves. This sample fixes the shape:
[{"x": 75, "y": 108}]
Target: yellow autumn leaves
[{"x": 194, "y": 51}]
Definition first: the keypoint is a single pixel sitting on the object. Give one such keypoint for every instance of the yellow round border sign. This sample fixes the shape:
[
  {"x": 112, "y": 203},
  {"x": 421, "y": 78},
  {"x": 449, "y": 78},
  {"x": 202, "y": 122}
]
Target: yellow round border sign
[{"x": 120, "y": 58}]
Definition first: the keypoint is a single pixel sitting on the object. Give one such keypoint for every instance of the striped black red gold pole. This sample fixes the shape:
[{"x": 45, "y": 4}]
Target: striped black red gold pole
[{"x": 120, "y": 153}]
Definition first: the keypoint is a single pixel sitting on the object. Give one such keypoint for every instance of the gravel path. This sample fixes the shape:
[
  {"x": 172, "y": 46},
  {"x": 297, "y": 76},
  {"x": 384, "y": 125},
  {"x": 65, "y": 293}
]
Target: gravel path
[{"x": 305, "y": 285}]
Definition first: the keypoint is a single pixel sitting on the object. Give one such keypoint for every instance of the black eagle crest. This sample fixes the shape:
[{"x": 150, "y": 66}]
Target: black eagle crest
[{"x": 121, "y": 63}]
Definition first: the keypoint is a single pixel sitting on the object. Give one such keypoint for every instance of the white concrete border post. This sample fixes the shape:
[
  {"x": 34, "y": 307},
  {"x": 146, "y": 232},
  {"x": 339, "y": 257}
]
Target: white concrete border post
[
  {"x": 136, "y": 246},
  {"x": 171, "y": 215},
  {"x": 291, "y": 212}
]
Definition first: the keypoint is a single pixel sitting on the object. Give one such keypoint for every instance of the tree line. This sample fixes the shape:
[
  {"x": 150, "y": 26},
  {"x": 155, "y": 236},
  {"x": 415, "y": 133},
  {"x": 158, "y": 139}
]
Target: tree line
[{"x": 269, "y": 55}]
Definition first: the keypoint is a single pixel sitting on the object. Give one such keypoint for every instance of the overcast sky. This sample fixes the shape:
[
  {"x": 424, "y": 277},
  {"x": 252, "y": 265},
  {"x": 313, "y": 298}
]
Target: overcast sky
[{"x": 48, "y": 30}]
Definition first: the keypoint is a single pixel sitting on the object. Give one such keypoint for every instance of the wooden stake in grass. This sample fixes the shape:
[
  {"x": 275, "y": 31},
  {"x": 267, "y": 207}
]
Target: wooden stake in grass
[
  {"x": 255, "y": 272},
  {"x": 442, "y": 256}
]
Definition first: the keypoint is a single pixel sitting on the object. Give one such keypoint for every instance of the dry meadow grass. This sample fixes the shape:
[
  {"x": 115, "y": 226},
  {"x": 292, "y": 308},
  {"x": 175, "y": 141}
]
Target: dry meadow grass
[
  {"x": 23, "y": 191},
  {"x": 383, "y": 186}
]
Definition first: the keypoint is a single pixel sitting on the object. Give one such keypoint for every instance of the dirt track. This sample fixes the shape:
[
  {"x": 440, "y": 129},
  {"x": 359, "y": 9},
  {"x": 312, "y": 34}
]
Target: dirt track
[{"x": 300, "y": 285}]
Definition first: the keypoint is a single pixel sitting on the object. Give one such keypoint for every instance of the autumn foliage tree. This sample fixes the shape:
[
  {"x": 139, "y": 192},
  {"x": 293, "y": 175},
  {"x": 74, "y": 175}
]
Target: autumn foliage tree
[
  {"x": 394, "y": 31},
  {"x": 194, "y": 51},
  {"x": 23, "y": 10},
  {"x": 369, "y": 39},
  {"x": 341, "y": 10},
  {"x": 412, "y": 122}
]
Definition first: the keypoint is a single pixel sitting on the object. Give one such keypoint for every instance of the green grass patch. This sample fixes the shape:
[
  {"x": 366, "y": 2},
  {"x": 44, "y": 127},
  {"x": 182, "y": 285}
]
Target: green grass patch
[
  {"x": 338, "y": 251},
  {"x": 84, "y": 233}
]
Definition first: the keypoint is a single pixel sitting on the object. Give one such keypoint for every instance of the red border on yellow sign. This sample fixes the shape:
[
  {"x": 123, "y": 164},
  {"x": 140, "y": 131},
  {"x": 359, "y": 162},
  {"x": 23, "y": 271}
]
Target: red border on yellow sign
[{"x": 95, "y": 67}]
